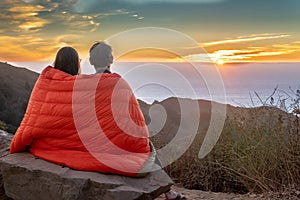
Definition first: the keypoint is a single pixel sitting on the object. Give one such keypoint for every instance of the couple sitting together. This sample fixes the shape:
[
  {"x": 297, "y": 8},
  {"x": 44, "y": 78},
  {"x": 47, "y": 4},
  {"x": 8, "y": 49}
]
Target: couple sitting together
[{"x": 86, "y": 122}]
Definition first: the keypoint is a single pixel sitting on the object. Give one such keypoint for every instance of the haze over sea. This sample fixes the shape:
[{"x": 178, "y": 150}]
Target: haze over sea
[{"x": 158, "y": 81}]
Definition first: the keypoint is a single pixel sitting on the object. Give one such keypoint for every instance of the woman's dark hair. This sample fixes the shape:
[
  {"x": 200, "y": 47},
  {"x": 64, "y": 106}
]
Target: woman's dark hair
[{"x": 67, "y": 60}]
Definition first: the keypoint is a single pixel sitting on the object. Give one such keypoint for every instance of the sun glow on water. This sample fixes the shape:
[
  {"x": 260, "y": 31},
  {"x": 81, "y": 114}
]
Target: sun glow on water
[{"x": 220, "y": 62}]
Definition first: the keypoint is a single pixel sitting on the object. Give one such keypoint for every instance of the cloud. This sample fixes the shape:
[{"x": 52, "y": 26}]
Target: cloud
[
  {"x": 246, "y": 39},
  {"x": 75, "y": 22},
  {"x": 137, "y": 16},
  {"x": 60, "y": 16},
  {"x": 34, "y": 30},
  {"x": 17, "y": 48},
  {"x": 33, "y": 25},
  {"x": 242, "y": 55},
  {"x": 26, "y": 8},
  {"x": 19, "y": 18},
  {"x": 291, "y": 46},
  {"x": 112, "y": 13},
  {"x": 28, "y": 48},
  {"x": 67, "y": 40},
  {"x": 219, "y": 50}
]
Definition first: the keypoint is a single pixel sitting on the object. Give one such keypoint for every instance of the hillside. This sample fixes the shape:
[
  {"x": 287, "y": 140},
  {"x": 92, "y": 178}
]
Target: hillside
[
  {"x": 15, "y": 88},
  {"x": 258, "y": 150}
]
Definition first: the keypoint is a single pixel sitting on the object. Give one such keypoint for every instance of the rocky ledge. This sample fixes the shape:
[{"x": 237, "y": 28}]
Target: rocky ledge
[{"x": 23, "y": 177}]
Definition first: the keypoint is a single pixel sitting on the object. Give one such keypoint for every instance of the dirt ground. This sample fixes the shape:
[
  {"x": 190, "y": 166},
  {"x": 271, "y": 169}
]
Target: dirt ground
[{"x": 199, "y": 195}]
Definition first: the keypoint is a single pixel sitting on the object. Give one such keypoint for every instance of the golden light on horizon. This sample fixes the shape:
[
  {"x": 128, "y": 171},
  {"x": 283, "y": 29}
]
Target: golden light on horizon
[
  {"x": 220, "y": 62},
  {"x": 40, "y": 48}
]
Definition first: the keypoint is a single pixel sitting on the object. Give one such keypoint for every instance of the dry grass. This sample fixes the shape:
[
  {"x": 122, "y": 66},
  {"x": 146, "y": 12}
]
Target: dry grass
[{"x": 258, "y": 151}]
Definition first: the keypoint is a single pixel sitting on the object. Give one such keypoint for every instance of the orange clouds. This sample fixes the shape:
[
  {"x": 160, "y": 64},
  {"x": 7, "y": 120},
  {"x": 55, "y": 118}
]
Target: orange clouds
[
  {"x": 29, "y": 48},
  {"x": 268, "y": 47},
  {"x": 33, "y": 24},
  {"x": 247, "y": 39},
  {"x": 26, "y": 16},
  {"x": 26, "y": 8},
  {"x": 246, "y": 55},
  {"x": 14, "y": 49},
  {"x": 241, "y": 49}
]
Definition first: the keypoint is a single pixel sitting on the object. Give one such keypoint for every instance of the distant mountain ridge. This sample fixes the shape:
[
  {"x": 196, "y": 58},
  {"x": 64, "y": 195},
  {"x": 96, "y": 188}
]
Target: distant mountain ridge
[
  {"x": 17, "y": 83},
  {"x": 15, "y": 88}
]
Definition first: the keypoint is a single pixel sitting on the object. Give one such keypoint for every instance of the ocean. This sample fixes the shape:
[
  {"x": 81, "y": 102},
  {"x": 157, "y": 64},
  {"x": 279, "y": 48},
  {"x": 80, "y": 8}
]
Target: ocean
[{"x": 247, "y": 84}]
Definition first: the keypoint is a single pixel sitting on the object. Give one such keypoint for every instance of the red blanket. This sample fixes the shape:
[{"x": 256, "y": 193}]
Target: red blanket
[{"x": 85, "y": 122}]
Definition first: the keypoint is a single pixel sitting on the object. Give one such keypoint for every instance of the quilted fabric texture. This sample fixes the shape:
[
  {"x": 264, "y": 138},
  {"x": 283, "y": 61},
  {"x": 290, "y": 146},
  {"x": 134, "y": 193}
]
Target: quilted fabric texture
[{"x": 85, "y": 122}]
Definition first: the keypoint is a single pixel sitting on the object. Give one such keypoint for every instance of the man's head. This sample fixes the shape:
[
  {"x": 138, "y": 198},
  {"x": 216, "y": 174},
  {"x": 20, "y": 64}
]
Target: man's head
[{"x": 101, "y": 55}]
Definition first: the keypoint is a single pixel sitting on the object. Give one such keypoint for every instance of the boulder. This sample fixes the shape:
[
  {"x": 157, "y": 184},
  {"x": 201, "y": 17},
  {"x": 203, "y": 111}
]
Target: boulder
[
  {"x": 28, "y": 178},
  {"x": 5, "y": 139}
]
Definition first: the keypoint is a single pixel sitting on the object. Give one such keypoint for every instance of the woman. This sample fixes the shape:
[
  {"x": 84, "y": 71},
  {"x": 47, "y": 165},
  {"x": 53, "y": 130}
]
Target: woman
[{"x": 70, "y": 121}]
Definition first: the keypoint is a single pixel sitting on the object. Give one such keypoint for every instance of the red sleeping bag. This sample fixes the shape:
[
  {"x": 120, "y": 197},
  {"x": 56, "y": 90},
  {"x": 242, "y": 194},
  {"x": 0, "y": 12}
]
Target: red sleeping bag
[{"x": 85, "y": 122}]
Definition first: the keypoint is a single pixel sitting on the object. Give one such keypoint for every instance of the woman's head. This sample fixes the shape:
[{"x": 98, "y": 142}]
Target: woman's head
[{"x": 67, "y": 60}]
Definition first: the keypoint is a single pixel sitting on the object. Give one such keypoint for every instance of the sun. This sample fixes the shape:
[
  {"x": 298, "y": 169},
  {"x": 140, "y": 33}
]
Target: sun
[{"x": 220, "y": 62}]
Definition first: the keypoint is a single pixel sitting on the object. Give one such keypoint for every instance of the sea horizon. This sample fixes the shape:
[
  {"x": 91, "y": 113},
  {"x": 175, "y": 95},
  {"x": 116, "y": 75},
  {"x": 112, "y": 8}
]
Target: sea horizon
[{"x": 245, "y": 84}]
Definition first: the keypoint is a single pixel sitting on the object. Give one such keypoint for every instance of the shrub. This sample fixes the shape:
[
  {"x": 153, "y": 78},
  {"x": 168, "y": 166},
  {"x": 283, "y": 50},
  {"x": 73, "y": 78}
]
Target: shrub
[
  {"x": 3, "y": 126},
  {"x": 258, "y": 151}
]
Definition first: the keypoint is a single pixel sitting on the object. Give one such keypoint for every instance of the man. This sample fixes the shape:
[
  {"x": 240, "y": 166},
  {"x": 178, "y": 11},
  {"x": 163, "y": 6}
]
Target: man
[{"x": 101, "y": 58}]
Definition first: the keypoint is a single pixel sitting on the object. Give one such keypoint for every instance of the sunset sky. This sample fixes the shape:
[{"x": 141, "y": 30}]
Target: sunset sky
[{"x": 229, "y": 30}]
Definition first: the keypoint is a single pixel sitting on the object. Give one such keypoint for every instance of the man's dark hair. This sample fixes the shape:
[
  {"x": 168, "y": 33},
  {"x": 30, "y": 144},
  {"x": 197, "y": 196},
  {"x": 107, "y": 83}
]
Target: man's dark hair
[
  {"x": 67, "y": 60},
  {"x": 93, "y": 46}
]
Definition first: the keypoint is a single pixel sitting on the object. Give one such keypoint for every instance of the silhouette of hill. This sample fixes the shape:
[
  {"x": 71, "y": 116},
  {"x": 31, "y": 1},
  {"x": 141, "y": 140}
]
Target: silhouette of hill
[
  {"x": 252, "y": 138},
  {"x": 15, "y": 88}
]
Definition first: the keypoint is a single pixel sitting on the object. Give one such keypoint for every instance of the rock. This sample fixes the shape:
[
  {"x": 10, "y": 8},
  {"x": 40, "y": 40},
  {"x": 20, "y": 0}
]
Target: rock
[
  {"x": 2, "y": 192},
  {"x": 252, "y": 195},
  {"x": 5, "y": 139},
  {"x": 28, "y": 178}
]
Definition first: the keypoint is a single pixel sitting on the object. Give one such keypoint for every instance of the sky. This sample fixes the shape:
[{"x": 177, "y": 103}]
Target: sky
[{"x": 227, "y": 30}]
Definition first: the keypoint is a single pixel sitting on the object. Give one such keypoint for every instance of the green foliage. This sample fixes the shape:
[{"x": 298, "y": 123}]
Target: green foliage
[{"x": 3, "y": 126}]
